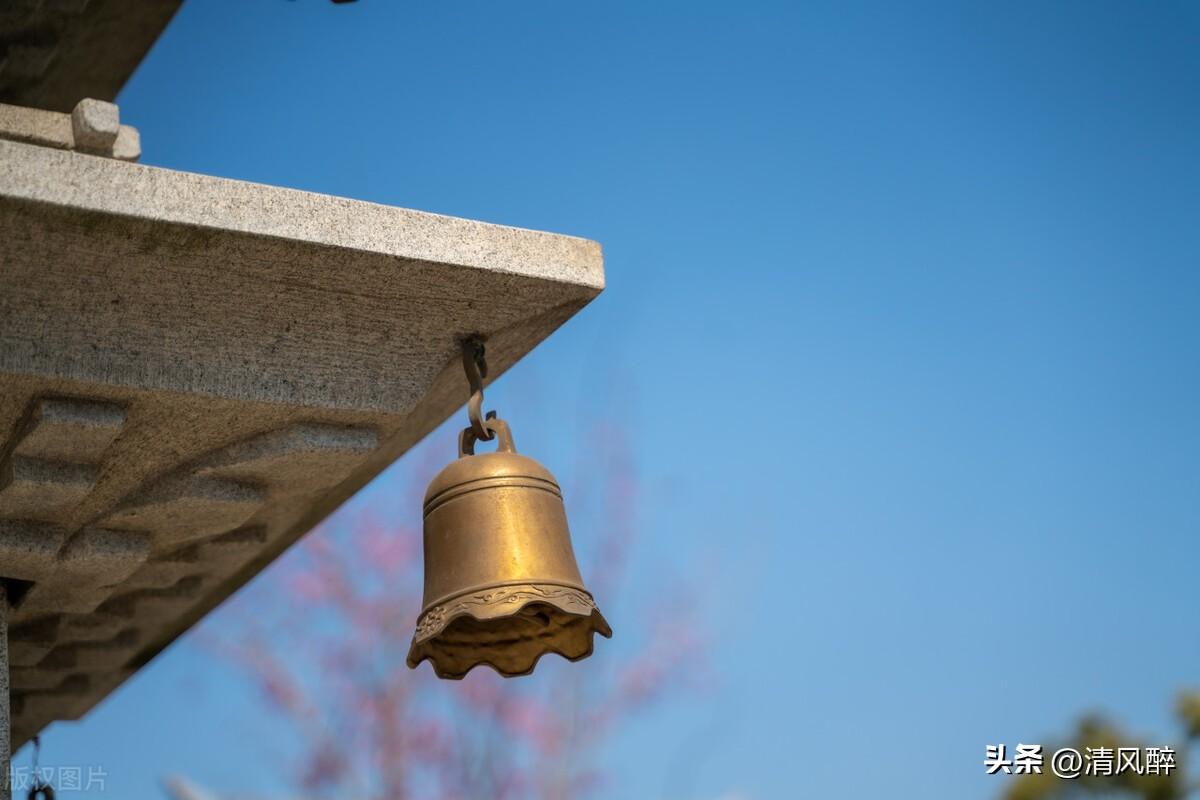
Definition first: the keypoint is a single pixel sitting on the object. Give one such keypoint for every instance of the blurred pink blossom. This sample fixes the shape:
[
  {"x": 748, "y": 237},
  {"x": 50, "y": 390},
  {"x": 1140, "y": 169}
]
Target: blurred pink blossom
[{"x": 325, "y": 633}]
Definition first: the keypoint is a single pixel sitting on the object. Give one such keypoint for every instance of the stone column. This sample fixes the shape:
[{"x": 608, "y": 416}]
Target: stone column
[{"x": 5, "y": 772}]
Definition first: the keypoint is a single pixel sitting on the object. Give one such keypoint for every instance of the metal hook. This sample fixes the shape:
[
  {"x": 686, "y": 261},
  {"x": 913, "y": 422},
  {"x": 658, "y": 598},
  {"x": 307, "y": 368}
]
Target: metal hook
[{"x": 475, "y": 365}]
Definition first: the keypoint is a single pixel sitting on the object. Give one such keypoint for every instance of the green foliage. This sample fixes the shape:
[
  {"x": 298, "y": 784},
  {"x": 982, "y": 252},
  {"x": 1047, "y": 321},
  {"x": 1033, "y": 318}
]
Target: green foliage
[
  {"x": 1096, "y": 732},
  {"x": 1188, "y": 709}
]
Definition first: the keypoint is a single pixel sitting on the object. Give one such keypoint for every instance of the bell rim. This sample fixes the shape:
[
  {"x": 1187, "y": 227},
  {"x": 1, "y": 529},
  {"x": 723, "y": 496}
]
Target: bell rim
[
  {"x": 498, "y": 604},
  {"x": 420, "y": 651},
  {"x": 595, "y": 616}
]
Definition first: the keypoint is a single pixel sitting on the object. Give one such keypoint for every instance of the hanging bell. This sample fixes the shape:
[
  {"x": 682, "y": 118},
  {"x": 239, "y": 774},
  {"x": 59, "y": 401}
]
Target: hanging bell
[{"x": 501, "y": 584}]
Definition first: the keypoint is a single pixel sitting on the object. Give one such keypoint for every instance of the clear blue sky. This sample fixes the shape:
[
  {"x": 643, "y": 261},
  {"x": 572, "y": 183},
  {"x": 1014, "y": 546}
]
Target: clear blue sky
[{"x": 904, "y": 304}]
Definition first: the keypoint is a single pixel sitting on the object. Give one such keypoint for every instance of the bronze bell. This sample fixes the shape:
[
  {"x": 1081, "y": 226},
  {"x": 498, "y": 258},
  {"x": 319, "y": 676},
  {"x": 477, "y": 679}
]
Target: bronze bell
[{"x": 501, "y": 583}]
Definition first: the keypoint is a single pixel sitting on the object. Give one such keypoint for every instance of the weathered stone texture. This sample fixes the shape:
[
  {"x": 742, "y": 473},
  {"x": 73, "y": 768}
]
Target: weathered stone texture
[{"x": 53, "y": 53}]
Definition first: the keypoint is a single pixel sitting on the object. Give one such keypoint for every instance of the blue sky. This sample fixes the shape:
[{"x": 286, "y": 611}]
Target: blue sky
[{"x": 901, "y": 315}]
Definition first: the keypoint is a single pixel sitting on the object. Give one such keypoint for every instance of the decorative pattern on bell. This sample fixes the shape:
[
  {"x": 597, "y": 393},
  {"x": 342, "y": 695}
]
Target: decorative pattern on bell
[{"x": 501, "y": 583}]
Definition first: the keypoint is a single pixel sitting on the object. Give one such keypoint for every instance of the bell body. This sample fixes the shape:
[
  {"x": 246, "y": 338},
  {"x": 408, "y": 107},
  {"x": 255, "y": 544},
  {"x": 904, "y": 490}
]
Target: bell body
[{"x": 501, "y": 583}]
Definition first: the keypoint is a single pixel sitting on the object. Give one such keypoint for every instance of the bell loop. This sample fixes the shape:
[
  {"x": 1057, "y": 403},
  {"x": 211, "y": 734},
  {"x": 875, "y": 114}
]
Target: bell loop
[{"x": 496, "y": 428}]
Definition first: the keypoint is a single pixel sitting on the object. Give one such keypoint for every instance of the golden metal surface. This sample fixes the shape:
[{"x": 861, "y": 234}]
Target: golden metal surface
[{"x": 501, "y": 584}]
